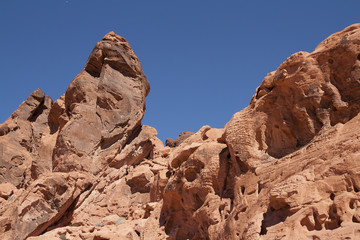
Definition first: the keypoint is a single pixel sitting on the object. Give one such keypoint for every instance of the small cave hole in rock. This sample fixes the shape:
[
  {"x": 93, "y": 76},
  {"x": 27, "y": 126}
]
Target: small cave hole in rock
[
  {"x": 351, "y": 204},
  {"x": 243, "y": 189},
  {"x": 334, "y": 221},
  {"x": 190, "y": 174},
  {"x": 355, "y": 220},
  {"x": 356, "y": 189},
  {"x": 309, "y": 224},
  {"x": 263, "y": 230},
  {"x": 7, "y": 227},
  {"x": 147, "y": 214},
  {"x": 331, "y": 225},
  {"x": 37, "y": 112},
  {"x": 275, "y": 216},
  {"x": 259, "y": 188},
  {"x": 332, "y": 196},
  {"x": 358, "y": 56},
  {"x": 331, "y": 61},
  {"x": 137, "y": 233},
  {"x": 98, "y": 238}
]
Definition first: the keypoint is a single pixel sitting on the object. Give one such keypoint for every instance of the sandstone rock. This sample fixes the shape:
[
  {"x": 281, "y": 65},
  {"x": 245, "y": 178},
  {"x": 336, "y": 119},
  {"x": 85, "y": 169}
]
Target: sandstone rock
[
  {"x": 57, "y": 115},
  {"x": 307, "y": 92},
  {"x": 90, "y": 233},
  {"x": 193, "y": 194},
  {"x": 311, "y": 96},
  {"x": 286, "y": 167},
  {"x": 6, "y": 190},
  {"x": 192, "y": 142},
  {"x": 29, "y": 109},
  {"x": 112, "y": 220},
  {"x": 157, "y": 188},
  {"x": 182, "y": 137},
  {"x": 43, "y": 204},
  {"x": 214, "y": 134},
  {"x": 108, "y": 97},
  {"x": 137, "y": 150},
  {"x": 181, "y": 154},
  {"x": 140, "y": 179},
  {"x": 21, "y": 141},
  {"x": 170, "y": 142},
  {"x": 281, "y": 180}
]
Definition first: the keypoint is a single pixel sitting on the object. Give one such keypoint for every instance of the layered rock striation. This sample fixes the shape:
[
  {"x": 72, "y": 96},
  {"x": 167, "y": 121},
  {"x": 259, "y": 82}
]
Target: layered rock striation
[{"x": 285, "y": 167}]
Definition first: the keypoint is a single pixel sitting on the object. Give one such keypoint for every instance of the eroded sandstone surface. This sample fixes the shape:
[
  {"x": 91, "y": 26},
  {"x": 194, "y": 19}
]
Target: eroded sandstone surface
[{"x": 285, "y": 167}]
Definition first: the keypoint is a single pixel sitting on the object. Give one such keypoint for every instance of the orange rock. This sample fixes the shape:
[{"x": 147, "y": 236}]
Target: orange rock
[
  {"x": 105, "y": 104},
  {"x": 6, "y": 190},
  {"x": 23, "y": 156},
  {"x": 285, "y": 167}
]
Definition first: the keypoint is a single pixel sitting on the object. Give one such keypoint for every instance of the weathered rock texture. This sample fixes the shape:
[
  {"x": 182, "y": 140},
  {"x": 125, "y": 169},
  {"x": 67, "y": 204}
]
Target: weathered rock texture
[{"x": 285, "y": 167}]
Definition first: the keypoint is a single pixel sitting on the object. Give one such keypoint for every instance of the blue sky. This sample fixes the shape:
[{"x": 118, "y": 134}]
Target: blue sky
[{"x": 203, "y": 59}]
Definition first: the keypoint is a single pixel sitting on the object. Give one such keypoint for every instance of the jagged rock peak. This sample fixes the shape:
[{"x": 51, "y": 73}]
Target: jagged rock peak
[
  {"x": 115, "y": 51},
  {"x": 109, "y": 97},
  {"x": 50, "y": 154}
]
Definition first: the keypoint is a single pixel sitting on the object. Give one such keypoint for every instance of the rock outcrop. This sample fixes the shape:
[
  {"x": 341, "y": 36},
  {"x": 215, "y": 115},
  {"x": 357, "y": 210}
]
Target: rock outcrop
[
  {"x": 103, "y": 106},
  {"x": 285, "y": 167},
  {"x": 25, "y": 144}
]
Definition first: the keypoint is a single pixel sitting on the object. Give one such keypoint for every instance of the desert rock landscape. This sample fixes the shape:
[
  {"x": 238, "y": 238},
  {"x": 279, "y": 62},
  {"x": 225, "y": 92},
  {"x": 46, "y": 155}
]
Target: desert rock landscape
[{"x": 285, "y": 167}]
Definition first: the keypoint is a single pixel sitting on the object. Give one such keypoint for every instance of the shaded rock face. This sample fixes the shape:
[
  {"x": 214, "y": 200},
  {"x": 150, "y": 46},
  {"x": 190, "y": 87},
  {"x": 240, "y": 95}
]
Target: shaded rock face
[{"x": 285, "y": 167}]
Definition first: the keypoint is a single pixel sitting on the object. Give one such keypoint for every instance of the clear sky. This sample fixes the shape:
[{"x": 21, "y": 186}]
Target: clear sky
[{"x": 203, "y": 59}]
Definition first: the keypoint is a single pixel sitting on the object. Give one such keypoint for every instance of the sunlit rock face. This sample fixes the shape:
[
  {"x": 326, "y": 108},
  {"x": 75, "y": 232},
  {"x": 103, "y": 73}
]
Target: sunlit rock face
[
  {"x": 104, "y": 104},
  {"x": 285, "y": 167}
]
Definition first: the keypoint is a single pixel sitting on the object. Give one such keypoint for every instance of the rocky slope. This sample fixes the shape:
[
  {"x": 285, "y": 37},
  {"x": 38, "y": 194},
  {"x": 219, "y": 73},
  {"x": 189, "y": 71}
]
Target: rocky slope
[{"x": 285, "y": 167}]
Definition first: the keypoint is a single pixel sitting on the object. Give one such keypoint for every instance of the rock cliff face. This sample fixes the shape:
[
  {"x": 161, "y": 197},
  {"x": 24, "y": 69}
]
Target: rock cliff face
[{"x": 285, "y": 167}]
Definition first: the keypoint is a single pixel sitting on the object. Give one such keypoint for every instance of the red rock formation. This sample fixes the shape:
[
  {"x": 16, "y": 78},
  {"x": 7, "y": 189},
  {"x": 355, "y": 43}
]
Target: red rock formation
[
  {"x": 285, "y": 167},
  {"x": 25, "y": 148},
  {"x": 104, "y": 104}
]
